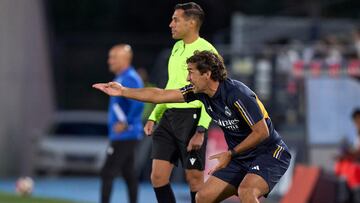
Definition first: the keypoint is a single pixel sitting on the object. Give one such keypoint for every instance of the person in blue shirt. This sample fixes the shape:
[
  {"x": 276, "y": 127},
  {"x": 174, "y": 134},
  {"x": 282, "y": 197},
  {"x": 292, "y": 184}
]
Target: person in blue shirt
[
  {"x": 125, "y": 126},
  {"x": 256, "y": 158}
]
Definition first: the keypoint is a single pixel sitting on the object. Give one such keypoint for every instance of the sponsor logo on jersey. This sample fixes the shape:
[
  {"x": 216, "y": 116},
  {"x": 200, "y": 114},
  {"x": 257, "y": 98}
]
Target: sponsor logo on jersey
[{"x": 231, "y": 124}]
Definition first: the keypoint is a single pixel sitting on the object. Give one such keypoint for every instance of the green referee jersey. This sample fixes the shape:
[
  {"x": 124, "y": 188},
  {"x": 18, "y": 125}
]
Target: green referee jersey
[{"x": 177, "y": 71}]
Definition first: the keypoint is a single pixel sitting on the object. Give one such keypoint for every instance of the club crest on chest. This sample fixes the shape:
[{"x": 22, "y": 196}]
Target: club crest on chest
[{"x": 227, "y": 111}]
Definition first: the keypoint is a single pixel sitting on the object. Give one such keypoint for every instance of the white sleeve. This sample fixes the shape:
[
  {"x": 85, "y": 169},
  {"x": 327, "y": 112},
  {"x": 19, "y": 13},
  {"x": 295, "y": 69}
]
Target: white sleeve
[{"x": 120, "y": 115}]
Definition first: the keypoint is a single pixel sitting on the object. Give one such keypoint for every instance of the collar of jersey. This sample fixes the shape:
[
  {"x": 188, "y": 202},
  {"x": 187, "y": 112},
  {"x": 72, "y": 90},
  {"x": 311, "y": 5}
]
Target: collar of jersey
[
  {"x": 217, "y": 93},
  {"x": 191, "y": 44},
  {"x": 125, "y": 72}
]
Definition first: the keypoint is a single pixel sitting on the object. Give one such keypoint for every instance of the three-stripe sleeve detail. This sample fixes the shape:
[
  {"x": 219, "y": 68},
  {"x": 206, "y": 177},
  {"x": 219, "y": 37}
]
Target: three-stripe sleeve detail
[
  {"x": 245, "y": 114},
  {"x": 278, "y": 151}
]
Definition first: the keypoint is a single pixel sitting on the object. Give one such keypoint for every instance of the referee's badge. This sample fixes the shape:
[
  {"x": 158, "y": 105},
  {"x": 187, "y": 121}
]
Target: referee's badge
[{"x": 227, "y": 111}]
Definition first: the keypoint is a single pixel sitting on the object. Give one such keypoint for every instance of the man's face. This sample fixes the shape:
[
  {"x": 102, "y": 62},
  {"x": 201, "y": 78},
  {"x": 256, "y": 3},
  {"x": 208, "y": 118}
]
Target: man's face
[
  {"x": 118, "y": 60},
  {"x": 198, "y": 80},
  {"x": 179, "y": 24}
]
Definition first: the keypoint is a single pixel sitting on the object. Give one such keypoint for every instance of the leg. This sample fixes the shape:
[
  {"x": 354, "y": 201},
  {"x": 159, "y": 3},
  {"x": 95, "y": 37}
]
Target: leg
[
  {"x": 195, "y": 179},
  {"x": 193, "y": 162},
  {"x": 108, "y": 174},
  {"x": 264, "y": 172},
  {"x": 132, "y": 183},
  {"x": 160, "y": 179},
  {"x": 194, "y": 165},
  {"x": 251, "y": 188},
  {"x": 161, "y": 171},
  {"x": 214, "y": 190},
  {"x": 164, "y": 155},
  {"x": 106, "y": 185},
  {"x": 128, "y": 171}
]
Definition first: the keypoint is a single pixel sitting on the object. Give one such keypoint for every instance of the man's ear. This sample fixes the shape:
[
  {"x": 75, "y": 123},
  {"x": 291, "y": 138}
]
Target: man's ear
[
  {"x": 208, "y": 74},
  {"x": 193, "y": 23}
]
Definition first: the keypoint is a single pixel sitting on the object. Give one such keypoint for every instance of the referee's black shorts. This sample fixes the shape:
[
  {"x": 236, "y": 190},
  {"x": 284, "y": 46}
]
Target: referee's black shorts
[{"x": 172, "y": 135}]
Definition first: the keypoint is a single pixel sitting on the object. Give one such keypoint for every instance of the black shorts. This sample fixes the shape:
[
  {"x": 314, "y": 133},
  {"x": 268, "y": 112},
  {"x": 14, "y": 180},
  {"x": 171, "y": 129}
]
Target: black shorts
[
  {"x": 271, "y": 165},
  {"x": 172, "y": 135}
]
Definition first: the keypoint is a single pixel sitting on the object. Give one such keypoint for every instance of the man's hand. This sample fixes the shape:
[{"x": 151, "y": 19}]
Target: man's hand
[
  {"x": 110, "y": 88},
  {"x": 196, "y": 141},
  {"x": 223, "y": 158},
  {"x": 119, "y": 127},
  {"x": 148, "y": 128}
]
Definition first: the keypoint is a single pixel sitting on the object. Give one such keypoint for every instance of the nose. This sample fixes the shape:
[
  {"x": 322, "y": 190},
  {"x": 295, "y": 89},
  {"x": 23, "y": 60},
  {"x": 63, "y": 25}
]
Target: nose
[
  {"x": 188, "y": 78},
  {"x": 171, "y": 25}
]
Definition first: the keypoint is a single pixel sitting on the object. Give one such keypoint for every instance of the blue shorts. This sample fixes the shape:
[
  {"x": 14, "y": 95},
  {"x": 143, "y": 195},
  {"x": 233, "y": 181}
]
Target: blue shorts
[{"x": 270, "y": 164}]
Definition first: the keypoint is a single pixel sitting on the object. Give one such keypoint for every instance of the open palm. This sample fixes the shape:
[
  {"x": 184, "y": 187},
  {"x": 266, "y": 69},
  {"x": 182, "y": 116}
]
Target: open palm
[
  {"x": 110, "y": 88},
  {"x": 223, "y": 158}
]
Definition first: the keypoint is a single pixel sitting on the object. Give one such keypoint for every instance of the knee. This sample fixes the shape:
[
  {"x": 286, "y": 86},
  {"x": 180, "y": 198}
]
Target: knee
[
  {"x": 202, "y": 196},
  {"x": 158, "y": 179},
  {"x": 246, "y": 193},
  {"x": 195, "y": 180}
]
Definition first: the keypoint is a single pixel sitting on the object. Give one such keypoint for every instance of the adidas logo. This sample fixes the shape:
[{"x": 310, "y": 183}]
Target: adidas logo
[
  {"x": 255, "y": 168},
  {"x": 192, "y": 161}
]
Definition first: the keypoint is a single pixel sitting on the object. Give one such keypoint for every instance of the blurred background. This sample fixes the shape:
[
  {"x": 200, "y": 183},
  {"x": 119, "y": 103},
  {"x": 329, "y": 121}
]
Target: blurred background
[{"x": 301, "y": 58}]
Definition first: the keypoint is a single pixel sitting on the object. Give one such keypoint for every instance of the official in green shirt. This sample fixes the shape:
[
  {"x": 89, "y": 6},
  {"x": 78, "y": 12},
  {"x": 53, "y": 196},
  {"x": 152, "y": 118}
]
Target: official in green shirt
[
  {"x": 180, "y": 134},
  {"x": 177, "y": 70}
]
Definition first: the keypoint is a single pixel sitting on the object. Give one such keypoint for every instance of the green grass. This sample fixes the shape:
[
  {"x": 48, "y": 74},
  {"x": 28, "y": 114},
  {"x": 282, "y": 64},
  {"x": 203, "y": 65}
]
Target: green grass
[{"x": 11, "y": 198}]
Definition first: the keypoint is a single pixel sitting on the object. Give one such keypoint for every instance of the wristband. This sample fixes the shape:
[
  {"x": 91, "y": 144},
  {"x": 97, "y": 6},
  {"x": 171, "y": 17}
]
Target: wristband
[
  {"x": 200, "y": 129},
  {"x": 233, "y": 153}
]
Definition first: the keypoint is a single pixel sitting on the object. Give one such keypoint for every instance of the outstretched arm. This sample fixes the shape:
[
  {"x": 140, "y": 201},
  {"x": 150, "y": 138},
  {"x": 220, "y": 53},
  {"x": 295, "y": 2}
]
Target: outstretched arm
[{"x": 150, "y": 94}]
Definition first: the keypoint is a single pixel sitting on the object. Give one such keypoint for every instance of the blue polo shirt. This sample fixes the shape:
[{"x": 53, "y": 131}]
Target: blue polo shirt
[{"x": 126, "y": 110}]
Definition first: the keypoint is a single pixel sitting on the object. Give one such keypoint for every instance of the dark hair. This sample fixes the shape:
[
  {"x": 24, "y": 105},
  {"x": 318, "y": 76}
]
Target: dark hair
[
  {"x": 355, "y": 113},
  {"x": 192, "y": 10},
  {"x": 209, "y": 61}
]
